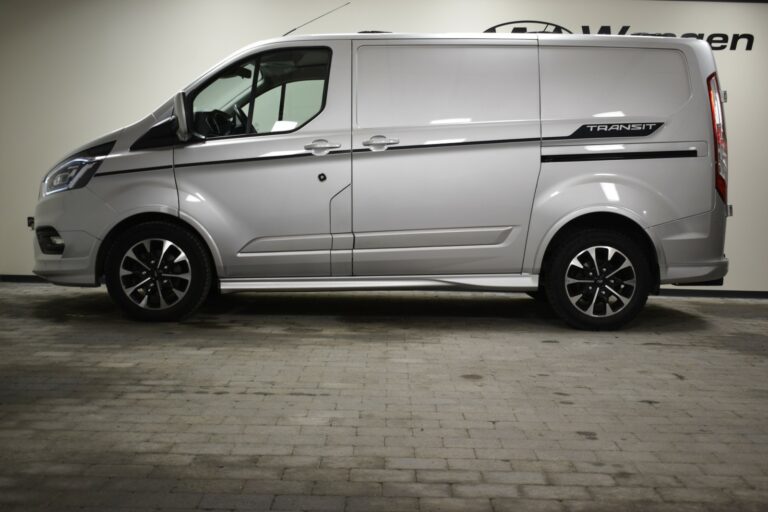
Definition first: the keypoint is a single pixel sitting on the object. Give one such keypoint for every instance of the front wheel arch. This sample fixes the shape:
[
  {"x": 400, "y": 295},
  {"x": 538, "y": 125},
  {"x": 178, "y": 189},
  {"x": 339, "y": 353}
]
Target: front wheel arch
[{"x": 134, "y": 220}]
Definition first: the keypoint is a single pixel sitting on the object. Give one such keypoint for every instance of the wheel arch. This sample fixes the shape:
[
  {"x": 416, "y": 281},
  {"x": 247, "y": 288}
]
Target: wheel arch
[
  {"x": 606, "y": 220},
  {"x": 133, "y": 220}
]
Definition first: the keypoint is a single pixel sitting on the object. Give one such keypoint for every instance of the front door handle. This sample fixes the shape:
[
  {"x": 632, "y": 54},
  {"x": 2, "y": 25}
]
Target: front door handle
[
  {"x": 380, "y": 143},
  {"x": 321, "y": 147}
]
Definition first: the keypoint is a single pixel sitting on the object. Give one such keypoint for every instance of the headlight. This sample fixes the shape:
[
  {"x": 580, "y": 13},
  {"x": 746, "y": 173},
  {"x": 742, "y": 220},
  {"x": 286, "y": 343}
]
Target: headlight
[
  {"x": 76, "y": 171},
  {"x": 69, "y": 175}
]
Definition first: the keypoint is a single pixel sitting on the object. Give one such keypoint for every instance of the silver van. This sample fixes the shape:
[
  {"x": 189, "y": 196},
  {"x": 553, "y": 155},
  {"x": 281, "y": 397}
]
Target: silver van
[{"x": 585, "y": 170}]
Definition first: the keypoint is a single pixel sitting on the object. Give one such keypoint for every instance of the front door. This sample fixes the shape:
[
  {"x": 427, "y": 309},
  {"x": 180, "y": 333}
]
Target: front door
[
  {"x": 270, "y": 183},
  {"x": 446, "y": 138}
]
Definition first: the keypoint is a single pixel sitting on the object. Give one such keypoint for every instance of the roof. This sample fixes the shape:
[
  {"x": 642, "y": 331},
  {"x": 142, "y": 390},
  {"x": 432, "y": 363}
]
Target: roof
[{"x": 543, "y": 40}]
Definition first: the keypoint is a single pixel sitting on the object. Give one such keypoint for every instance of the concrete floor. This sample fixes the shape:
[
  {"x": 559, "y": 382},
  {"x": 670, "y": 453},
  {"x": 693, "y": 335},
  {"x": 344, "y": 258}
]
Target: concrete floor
[{"x": 380, "y": 401}]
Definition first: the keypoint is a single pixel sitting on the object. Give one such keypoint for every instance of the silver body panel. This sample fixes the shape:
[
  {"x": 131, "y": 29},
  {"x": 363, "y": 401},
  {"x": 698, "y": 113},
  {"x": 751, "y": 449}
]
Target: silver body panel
[{"x": 464, "y": 195}]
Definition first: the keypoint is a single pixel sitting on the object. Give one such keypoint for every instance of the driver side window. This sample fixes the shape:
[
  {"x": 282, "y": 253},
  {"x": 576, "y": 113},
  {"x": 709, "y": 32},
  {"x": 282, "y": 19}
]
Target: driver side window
[{"x": 278, "y": 91}]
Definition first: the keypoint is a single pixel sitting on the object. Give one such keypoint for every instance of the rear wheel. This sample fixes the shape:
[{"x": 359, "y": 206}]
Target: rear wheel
[
  {"x": 598, "y": 279},
  {"x": 158, "y": 271}
]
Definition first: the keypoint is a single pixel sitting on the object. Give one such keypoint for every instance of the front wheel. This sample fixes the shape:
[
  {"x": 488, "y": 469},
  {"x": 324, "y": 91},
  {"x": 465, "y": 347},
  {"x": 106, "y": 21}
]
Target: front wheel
[
  {"x": 158, "y": 271},
  {"x": 598, "y": 279}
]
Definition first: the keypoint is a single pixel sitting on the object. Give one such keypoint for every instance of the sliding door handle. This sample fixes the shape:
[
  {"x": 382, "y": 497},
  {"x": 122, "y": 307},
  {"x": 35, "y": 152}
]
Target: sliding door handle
[{"x": 380, "y": 143}]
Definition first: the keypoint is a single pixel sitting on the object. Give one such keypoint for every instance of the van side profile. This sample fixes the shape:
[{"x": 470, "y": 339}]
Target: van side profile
[{"x": 585, "y": 170}]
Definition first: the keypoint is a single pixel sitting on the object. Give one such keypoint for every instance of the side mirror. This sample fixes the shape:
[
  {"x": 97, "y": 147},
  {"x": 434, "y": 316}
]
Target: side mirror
[{"x": 180, "y": 112}]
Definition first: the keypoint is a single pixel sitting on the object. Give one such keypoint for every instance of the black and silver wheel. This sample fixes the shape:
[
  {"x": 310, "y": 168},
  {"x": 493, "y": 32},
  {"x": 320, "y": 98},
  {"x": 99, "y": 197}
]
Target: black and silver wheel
[
  {"x": 598, "y": 279},
  {"x": 158, "y": 271}
]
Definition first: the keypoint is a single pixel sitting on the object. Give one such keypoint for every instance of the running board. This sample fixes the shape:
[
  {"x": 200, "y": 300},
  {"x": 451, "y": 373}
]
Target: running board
[{"x": 499, "y": 282}]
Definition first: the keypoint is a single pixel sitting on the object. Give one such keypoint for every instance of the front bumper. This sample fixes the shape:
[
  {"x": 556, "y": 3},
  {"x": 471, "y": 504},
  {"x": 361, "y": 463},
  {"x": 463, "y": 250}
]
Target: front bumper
[
  {"x": 73, "y": 215},
  {"x": 75, "y": 267}
]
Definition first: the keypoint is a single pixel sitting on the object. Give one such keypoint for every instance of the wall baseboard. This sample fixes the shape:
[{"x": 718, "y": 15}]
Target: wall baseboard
[
  {"x": 715, "y": 294},
  {"x": 665, "y": 292},
  {"x": 14, "y": 278}
]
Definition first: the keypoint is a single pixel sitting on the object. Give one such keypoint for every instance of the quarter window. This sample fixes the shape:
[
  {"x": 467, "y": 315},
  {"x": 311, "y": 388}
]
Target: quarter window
[{"x": 278, "y": 91}]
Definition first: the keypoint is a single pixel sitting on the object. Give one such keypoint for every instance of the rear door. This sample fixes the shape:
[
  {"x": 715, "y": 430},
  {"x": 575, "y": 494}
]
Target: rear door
[{"x": 446, "y": 139}]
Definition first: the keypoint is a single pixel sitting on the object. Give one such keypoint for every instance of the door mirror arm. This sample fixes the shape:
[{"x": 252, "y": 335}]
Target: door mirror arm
[
  {"x": 181, "y": 113},
  {"x": 191, "y": 137}
]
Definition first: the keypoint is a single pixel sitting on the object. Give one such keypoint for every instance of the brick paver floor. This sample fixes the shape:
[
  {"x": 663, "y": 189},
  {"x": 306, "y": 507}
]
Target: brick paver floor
[{"x": 380, "y": 401}]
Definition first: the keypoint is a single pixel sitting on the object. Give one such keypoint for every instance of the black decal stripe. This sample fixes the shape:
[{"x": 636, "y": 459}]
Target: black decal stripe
[
  {"x": 334, "y": 152},
  {"x": 640, "y": 155},
  {"x": 584, "y": 131},
  {"x": 260, "y": 158},
  {"x": 253, "y": 159},
  {"x": 217, "y": 162},
  {"x": 449, "y": 144},
  {"x": 467, "y": 143},
  {"x": 138, "y": 169},
  {"x": 545, "y": 158}
]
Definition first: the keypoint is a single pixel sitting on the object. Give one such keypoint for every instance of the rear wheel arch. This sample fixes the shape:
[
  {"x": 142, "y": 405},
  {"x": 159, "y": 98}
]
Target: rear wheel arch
[
  {"x": 129, "y": 222},
  {"x": 610, "y": 221}
]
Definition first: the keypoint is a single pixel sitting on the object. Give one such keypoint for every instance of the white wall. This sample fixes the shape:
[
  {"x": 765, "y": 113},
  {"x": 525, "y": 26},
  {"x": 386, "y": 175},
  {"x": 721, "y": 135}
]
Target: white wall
[{"x": 72, "y": 70}]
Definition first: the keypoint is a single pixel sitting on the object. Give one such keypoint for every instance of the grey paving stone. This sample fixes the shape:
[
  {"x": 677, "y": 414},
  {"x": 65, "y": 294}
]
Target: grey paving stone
[
  {"x": 526, "y": 505},
  {"x": 382, "y": 504},
  {"x": 485, "y": 491},
  {"x": 557, "y": 492},
  {"x": 454, "y": 505},
  {"x": 236, "y": 502},
  {"x": 447, "y": 476},
  {"x": 382, "y": 475},
  {"x": 316, "y": 474},
  {"x": 380, "y": 401},
  {"x": 416, "y": 490},
  {"x": 309, "y": 503},
  {"x": 336, "y": 488},
  {"x": 514, "y": 477}
]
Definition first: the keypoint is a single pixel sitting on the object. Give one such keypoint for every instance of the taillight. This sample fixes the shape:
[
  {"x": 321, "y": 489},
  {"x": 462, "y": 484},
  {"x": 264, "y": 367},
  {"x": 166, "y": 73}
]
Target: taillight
[{"x": 721, "y": 143}]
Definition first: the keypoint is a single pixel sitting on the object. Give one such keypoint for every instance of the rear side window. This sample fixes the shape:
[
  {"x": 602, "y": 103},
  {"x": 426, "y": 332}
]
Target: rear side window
[
  {"x": 278, "y": 91},
  {"x": 410, "y": 85},
  {"x": 586, "y": 82}
]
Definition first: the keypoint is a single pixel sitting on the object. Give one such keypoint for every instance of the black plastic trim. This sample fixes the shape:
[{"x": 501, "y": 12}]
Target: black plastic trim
[
  {"x": 95, "y": 151},
  {"x": 44, "y": 235},
  {"x": 714, "y": 282},
  {"x": 160, "y": 135},
  {"x": 636, "y": 155}
]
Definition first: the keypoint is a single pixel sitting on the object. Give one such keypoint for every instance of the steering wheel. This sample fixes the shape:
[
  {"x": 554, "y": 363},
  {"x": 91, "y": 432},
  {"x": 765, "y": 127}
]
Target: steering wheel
[
  {"x": 218, "y": 123},
  {"x": 239, "y": 115}
]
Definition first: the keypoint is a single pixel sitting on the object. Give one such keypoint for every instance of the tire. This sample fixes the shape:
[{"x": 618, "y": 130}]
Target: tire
[
  {"x": 619, "y": 288},
  {"x": 158, "y": 271}
]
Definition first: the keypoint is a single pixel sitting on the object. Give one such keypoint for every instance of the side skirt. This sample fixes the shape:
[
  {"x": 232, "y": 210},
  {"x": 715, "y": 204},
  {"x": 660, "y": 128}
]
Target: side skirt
[{"x": 496, "y": 282}]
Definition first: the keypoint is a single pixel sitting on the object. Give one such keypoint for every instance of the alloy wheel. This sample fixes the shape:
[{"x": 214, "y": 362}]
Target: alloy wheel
[
  {"x": 600, "y": 281},
  {"x": 155, "y": 274}
]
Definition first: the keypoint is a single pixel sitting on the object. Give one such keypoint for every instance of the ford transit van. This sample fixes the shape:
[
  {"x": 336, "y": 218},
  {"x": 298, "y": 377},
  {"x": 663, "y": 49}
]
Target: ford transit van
[{"x": 585, "y": 170}]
